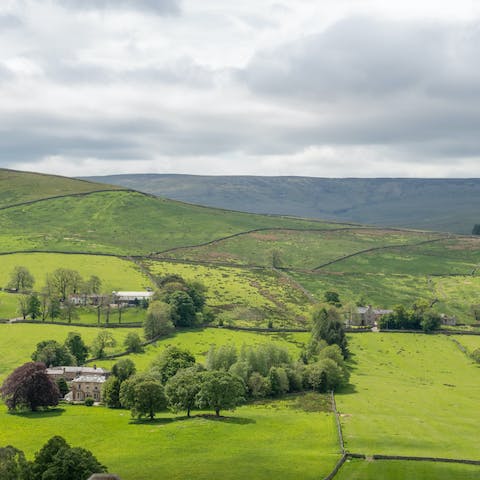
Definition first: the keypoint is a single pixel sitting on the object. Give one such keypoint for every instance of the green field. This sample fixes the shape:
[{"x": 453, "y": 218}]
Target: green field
[
  {"x": 401, "y": 470},
  {"x": 411, "y": 394},
  {"x": 115, "y": 273},
  {"x": 18, "y": 187},
  {"x": 243, "y": 296},
  {"x": 260, "y": 441},
  {"x": 18, "y": 341},
  {"x": 305, "y": 250},
  {"x": 199, "y": 342}
]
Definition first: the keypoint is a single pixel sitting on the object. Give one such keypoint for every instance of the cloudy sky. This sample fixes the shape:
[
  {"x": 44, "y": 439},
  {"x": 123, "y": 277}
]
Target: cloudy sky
[{"x": 333, "y": 88}]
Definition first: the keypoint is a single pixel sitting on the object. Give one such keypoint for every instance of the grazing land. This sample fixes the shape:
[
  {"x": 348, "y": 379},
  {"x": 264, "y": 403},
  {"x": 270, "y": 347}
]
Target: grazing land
[
  {"x": 411, "y": 394},
  {"x": 275, "y": 439},
  {"x": 401, "y": 470}
]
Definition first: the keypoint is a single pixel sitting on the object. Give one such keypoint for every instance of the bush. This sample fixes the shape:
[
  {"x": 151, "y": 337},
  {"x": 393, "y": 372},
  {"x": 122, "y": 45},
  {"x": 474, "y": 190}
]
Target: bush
[{"x": 89, "y": 401}]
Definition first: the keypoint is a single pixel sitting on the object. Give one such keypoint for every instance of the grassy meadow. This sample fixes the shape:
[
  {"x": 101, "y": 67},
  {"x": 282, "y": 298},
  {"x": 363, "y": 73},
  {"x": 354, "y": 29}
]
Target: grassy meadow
[
  {"x": 259, "y": 441},
  {"x": 17, "y": 187},
  {"x": 401, "y": 470},
  {"x": 199, "y": 342},
  {"x": 18, "y": 341},
  {"x": 411, "y": 394}
]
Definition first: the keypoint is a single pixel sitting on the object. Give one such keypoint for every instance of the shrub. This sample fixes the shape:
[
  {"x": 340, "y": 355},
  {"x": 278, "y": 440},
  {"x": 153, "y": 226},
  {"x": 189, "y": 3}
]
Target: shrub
[{"x": 89, "y": 401}]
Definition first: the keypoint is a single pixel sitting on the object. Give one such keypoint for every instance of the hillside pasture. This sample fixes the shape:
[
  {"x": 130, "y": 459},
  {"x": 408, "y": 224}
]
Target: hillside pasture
[
  {"x": 124, "y": 223},
  {"x": 242, "y": 296},
  {"x": 411, "y": 394},
  {"x": 273, "y": 439},
  {"x": 115, "y": 273},
  {"x": 304, "y": 250},
  {"x": 18, "y": 187},
  {"x": 199, "y": 342}
]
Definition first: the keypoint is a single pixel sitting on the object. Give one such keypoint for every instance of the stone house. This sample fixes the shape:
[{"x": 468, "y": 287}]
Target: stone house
[
  {"x": 366, "y": 316},
  {"x": 87, "y": 386}
]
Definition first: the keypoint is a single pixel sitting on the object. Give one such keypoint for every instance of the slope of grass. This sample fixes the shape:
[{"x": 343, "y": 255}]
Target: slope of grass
[
  {"x": 305, "y": 250},
  {"x": 126, "y": 223},
  {"x": 259, "y": 442},
  {"x": 18, "y": 341},
  {"x": 199, "y": 342},
  {"x": 399, "y": 470},
  {"x": 18, "y": 187},
  {"x": 411, "y": 395},
  {"x": 115, "y": 273},
  {"x": 242, "y": 296}
]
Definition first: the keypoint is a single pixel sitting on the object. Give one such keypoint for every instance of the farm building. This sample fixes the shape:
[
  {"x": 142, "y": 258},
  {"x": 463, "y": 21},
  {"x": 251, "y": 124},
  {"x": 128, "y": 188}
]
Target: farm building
[
  {"x": 69, "y": 373},
  {"x": 131, "y": 297},
  {"x": 366, "y": 316}
]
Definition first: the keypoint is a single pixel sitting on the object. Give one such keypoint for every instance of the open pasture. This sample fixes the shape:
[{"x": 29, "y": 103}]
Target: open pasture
[
  {"x": 305, "y": 250},
  {"x": 18, "y": 341},
  {"x": 401, "y": 470},
  {"x": 125, "y": 223},
  {"x": 199, "y": 342},
  {"x": 260, "y": 441},
  {"x": 245, "y": 297},
  {"x": 411, "y": 394},
  {"x": 115, "y": 273}
]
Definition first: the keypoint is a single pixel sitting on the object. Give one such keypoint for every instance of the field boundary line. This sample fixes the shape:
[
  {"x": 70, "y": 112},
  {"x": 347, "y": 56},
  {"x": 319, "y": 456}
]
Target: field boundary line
[
  {"x": 375, "y": 249},
  {"x": 67, "y": 195}
]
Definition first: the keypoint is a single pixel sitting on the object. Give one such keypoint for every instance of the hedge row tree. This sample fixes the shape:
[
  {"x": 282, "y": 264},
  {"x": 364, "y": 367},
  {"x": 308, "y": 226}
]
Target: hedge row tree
[
  {"x": 158, "y": 321},
  {"x": 419, "y": 317},
  {"x": 170, "y": 361},
  {"x": 21, "y": 279},
  {"x": 29, "y": 387},
  {"x": 327, "y": 326},
  {"x": 103, "y": 340},
  {"x": 133, "y": 343}
]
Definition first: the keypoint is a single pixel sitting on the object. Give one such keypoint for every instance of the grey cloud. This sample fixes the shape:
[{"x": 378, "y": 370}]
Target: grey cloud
[
  {"x": 160, "y": 7},
  {"x": 8, "y": 21}
]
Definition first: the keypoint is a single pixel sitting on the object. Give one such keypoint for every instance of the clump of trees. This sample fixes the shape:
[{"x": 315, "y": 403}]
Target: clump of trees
[
  {"x": 53, "y": 354},
  {"x": 56, "y": 460},
  {"x": 418, "y": 317}
]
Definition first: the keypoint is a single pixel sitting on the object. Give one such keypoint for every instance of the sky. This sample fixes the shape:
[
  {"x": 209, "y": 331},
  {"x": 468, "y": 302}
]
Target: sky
[{"x": 326, "y": 88}]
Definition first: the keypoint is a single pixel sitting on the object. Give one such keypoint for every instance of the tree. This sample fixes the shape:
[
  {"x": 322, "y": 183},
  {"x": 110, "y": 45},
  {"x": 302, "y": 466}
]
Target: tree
[
  {"x": 75, "y": 344},
  {"x": 182, "y": 389},
  {"x": 430, "y": 322},
  {"x": 103, "y": 340},
  {"x": 13, "y": 465},
  {"x": 327, "y": 326},
  {"x": 23, "y": 306},
  {"x": 170, "y": 361},
  {"x": 111, "y": 392},
  {"x": 133, "y": 343},
  {"x": 476, "y": 229},
  {"x": 29, "y": 386},
  {"x": 62, "y": 386},
  {"x": 333, "y": 298},
  {"x": 325, "y": 375},
  {"x": 68, "y": 311},
  {"x": 124, "y": 369},
  {"x": 278, "y": 381},
  {"x": 33, "y": 306},
  {"x": 221, "y": 358},
  {"x": 57, "y": 460},
  {"x": 276, "y": 259},
  {"x": 220, "y": 391},
  {"x": 258, "y": 385},
  {"x": 158, "y": 321},
  {"x": 21, "y": 279},
  {"x": 51, "y": 353},
  {"x": 94, "y": 285},
  {"x": 183, "y": 309},
  {"x": 64, "y": 282},
  {"x": 54, "y": 309},
  {"x": 149, "y": 398}
]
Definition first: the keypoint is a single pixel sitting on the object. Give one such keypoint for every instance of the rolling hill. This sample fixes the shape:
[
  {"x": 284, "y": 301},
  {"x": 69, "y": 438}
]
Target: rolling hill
[{"x": 449, "y": 205}]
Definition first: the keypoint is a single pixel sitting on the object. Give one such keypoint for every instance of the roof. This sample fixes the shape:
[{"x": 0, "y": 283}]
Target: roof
[
  {"x": 77, "y": 370},
  {"x": 376, "y": 311},
  {"x": 133, "y": 294},
  {"x": 89, "y": 379}
]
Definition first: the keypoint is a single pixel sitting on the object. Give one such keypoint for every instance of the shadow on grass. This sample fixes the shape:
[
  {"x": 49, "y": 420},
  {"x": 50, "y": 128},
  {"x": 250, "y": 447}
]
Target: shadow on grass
[
  {"x": 167, "y": 421},
  {"x": 38, "y": 414},
  {"x": 346, "y": 390}
]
